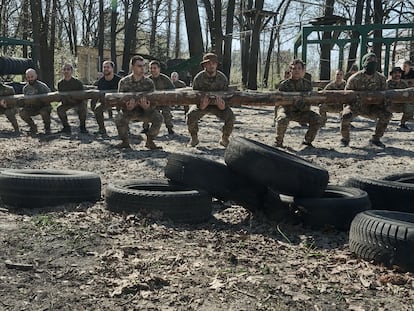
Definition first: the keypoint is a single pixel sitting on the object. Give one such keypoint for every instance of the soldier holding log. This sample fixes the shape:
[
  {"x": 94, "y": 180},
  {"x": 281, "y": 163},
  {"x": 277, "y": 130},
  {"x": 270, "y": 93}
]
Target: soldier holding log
[
  {"x": 161, "y": 82},
  {"x": 337, "y": 84},
  {"x": 210, "y": 79},
  {"x": 407, "y": 109},
  {"x": 140, "y": 110},
  {"x": 67, "y": 84},
  {"x": 367, "y": 79},
  {"x": 108, "y": 82},
  {"x": 34, "y": 87},
  {"x": 299, "y": 111},
  {"x": 9, "y": 111}
]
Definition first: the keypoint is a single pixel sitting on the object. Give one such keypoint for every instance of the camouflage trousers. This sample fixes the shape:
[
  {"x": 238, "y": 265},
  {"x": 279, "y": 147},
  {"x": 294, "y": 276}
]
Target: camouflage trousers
[
  {"x": 10, "y": 114},
  {"x": 406, "y": 109},
  {"x": 80, "y": 108},
  {"x": 195, "y": 114},
  {"x": 324, "y": 108},
  {"x": 376, "y": 112},
  {"x": 32, "y": 110},
  {"x": 284, "y": 116},
  {"x": 167, "y": 115},
  {"x": 98, "y": 111},
  {"x": 150, "y": 116}
]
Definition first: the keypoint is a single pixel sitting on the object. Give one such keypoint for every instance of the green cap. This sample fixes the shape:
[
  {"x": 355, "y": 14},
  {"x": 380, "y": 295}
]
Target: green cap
[{"x": 366, "y": 58}]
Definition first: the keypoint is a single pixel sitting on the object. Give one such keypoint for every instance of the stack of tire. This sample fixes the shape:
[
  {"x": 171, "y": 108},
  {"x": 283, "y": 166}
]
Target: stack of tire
[
  {"x": 38, "y": 188},
  {"x": 260, "y": 177},
  {"x": 296, "y": 185},
  {"x": 13, "y": 65},
  {"x": 385, "y": 235}
]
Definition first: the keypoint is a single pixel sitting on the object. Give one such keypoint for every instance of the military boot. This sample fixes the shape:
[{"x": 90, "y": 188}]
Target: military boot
[
  {"x": 224, "y": 141},
  {"x": 150, "y": 144},
  {"x": 194, "y": 141}
]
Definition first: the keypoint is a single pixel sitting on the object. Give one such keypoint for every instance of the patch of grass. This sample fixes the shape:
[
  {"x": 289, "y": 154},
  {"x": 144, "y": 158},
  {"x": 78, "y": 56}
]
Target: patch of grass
[{"x": 45, "y": 220}]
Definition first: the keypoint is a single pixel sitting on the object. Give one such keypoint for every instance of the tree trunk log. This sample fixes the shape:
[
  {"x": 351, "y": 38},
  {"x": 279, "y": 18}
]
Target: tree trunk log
[{"x": 187, "y": 96}]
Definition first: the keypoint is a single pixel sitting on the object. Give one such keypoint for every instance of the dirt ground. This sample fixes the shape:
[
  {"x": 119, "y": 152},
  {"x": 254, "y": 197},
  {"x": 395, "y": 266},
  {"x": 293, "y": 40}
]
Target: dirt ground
[{"x": 84, "y": 257}]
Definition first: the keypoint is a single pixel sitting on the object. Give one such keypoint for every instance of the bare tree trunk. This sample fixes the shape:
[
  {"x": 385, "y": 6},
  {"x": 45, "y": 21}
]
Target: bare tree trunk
[
  {"x": 228, "y": 38},
  {"x": 255, "y": 46},
  {"x": 177, "y": 48},
  {"x": 130, "y": 33},
  {"x": 114, "y": 15},
  {"x": 218, "y": 34},
  {"x": 355, "y": 34},
  {"x": 154, "y": 12},
  {"x": 101, "y": 31},
  {"x": 25, "y": 20},
  {"x": 245, "y": 38},
  {"x": 378, "y": 16},
  {"x": 273, "y": 35},
  {"x": 169, "y": 22},
  {"x": 195, "y": 39},
  {"x": 43, "y": 30},
  {"x": 325, "y": 61}
]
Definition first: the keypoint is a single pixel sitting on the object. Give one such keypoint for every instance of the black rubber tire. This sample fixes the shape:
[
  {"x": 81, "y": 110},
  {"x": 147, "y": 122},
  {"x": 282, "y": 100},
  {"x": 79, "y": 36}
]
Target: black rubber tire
[
  {"x": 407, "y": 178},
  {"x": 275, "y": 168},
  {"x": 278, "y": 207},
  {"x": 336, "y": 208},
  {"x": 34, "y": 188},
  {"x": 385, "y": 237},
  {"x": 386, "y": 194},
  {"x": 214, "y": 177},
  {"x": 13, "y": 65},
  {"x": 178, "y": 203}
]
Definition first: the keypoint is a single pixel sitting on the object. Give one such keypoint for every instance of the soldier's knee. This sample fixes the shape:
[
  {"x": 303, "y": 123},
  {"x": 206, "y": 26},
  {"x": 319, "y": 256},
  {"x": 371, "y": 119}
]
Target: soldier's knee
[{"x": 282, "y": 119}]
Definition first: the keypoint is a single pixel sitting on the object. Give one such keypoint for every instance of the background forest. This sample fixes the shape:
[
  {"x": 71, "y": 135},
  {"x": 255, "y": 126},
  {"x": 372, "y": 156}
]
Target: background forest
[{"x": 253, "y": 38}]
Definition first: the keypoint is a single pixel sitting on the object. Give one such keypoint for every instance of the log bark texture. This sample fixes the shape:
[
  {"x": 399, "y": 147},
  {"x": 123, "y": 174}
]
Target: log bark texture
[{"x": 187, "y": 96}]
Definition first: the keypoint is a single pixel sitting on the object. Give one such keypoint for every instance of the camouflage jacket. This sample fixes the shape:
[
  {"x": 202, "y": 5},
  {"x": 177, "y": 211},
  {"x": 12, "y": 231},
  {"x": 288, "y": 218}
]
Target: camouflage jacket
[
  {"x": 38, "y": 87},
  {"x": 179, "y": 84},
  {"x": 362, "y": 82},
  {"x": 6, "y": 90},
  {"x": 394, "y": 84},
  {"x": 202, "y": 82},
  {"x": 333, "y": 86},
  {"x": 129, "y": 84},
  {"x": 162, "y": 82},
  {"x": 301, "y": 85}
]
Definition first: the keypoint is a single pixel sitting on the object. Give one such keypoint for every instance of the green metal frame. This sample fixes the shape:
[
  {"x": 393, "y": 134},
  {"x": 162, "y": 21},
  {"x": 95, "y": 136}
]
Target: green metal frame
[
  {"x": 364, "y": 32},
  {"x": 5, "y": 41}
]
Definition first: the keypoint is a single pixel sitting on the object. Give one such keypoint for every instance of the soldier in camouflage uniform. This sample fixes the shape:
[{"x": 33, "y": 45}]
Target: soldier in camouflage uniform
[
  {"x": 299, "y": 111},
  {"x": 367, "y": 79},
  {"x": 9, "y": 111},
  {"x": 161, "y": 82},
  {"x": 137, "y": 111},
  {"x": 210, "y": 79},
  {"x": 406, "y": 109},
  {"x": 354, "y": 69},
  {"x": 175, "y": 78},
  {"x": 35, "y": 87},
  {"x": 337, "y": 84}
]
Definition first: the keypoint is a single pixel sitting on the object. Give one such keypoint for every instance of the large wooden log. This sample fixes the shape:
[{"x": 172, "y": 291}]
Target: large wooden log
[
  {"x": 252, "y": 98},
  {"x": 187, "y": 96}
]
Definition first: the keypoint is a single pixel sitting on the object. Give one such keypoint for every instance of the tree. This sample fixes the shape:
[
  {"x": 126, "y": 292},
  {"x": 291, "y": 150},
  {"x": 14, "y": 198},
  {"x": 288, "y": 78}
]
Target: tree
[
  {"x": 44, "y": 26},
  {"x": 195, "y": 38},
  {"x": 274, "y": 34},
  {"x": 355, "y": 34},
  {"x": 130, "y": 39},
  {"x": 325, "y": 60}
]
